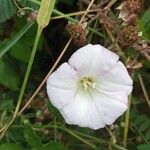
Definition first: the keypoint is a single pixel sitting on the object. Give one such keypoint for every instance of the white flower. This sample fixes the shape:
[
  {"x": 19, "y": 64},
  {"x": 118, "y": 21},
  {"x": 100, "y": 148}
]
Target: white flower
[{"x": 91, "y": 89}]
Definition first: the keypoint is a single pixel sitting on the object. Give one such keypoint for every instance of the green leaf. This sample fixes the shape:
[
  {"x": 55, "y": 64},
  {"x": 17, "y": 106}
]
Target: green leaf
[
  {"x": 146, "y": 20},
  {"x": 142, "y": 29},
  {"x": 145, "y": 125},
  {"x": 144, "y": 147},
  {"x": 148, "y": 135},
  {"x": 144, "y": 25},
  {"x": 21, "y": 52},
  {"x": 32, "y": 138},
  {"x": 26, "y": 3},
  {"x": 6, "y": 104},
  {"x": 10, "y": 146},
  {"x": 7, "y": 9},
  {"x": 52, "y": 145},
  {"x": 14, "y": 39},
  {"x": 8, "y": 77}
]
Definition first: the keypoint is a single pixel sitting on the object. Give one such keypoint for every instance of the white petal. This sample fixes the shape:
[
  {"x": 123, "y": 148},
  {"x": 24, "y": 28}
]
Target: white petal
[
  {"x": 109, "y": 107},
  {"x": 93, "y": 108},
  {"x": 76, "y": 110},
  {"x": 93, "y": 60},
  {"x": 62, "y": 86},
  {"x": 116, "y": 79},
  {"x": 83, "y": 112},
  {"x": 92, "y": 118}
]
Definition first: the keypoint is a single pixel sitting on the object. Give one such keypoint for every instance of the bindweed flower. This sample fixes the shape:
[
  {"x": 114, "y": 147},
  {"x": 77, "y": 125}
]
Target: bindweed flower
[{"x": 91, "y": 89}]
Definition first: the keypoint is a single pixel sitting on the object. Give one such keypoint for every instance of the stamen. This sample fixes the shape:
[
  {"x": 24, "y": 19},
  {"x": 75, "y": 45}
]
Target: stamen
[{"x": 88, "y": 82}]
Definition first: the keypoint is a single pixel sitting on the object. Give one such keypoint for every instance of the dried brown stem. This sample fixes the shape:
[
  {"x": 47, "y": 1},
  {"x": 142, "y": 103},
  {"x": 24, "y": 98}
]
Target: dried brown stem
[{"x": 144, "y": 90}]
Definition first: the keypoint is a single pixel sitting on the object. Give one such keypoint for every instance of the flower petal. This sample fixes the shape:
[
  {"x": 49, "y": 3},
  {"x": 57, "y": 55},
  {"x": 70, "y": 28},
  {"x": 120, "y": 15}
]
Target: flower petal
[
  {"x": 93, "y": 60},
  {"x": 116, "y": 79},
  {"x": 75, "y": 111},
  {"x": 110, "y": 108},
  {"x": 101, "y": 103},
  {"x": 82, "y": 112},
  {"x": 62, "y": 85}
]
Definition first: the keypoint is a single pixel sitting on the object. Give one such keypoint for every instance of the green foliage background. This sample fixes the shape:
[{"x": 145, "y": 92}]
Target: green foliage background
[{"x": 41, "y": 127}]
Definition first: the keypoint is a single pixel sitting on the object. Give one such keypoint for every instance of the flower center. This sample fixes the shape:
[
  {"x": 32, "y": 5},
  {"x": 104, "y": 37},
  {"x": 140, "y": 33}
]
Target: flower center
[{"x": 87, "y": 82}]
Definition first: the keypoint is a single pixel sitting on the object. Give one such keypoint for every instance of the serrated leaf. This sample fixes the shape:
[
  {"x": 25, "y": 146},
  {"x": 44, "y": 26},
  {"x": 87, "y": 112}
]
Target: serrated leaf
[
  {"x": 9, "y": 146},
  {"x": 7, "y": 9}
]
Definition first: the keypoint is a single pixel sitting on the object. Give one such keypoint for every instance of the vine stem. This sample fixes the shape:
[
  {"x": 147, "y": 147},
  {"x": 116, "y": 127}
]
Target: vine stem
[
  {"x": 39, "y": 31},
  {"x": 17, "y": 112},
  {"x": 43, "y": 82},
  {"x": 80, "y": 138},
  {"x": 85, "y": 138},
  {"x": 126, "y": 128},
  {"x": 98, "y": 140},
  {"x": 74, "y": 14}
]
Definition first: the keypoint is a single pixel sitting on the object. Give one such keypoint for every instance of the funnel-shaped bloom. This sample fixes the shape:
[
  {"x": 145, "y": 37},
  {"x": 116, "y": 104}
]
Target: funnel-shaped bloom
[{"x": 91, "y": 89}]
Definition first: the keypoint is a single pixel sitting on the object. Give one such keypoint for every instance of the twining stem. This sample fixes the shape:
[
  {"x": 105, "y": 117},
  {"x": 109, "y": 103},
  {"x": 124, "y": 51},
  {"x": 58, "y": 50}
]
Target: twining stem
[
  {"x": 39, "y": 31},
  {"x": 100, "y": 141},
  {"x": 43, "y": 82},
  {"x": 74, "y": 14},
  {"x": 55, "y": 11},
  {"x": 43, "y": 19},
  {"x": 126, "y": 127},
  {"x": 78, "y": 137}
]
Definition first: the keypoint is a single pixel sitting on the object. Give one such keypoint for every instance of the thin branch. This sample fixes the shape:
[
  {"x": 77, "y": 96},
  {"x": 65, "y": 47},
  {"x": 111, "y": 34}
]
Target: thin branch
[
  {"x": 126, "y": 128},
  {"x": 74, "y": 14},
  {"x": 43, "y": 82},
  {"x": 144, "y": 90}
]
